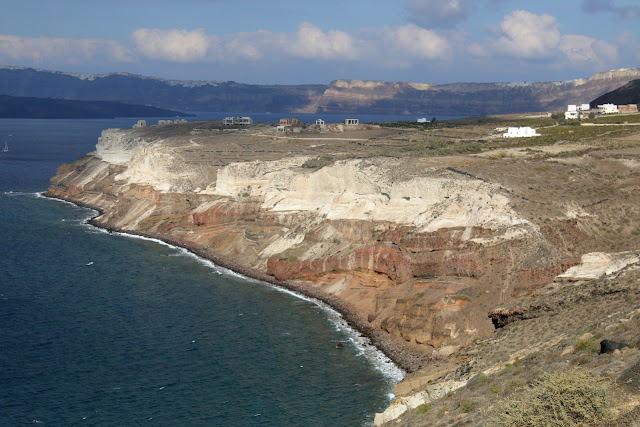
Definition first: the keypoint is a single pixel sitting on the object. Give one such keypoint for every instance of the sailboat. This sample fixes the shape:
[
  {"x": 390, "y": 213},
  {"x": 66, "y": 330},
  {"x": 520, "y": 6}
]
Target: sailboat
[{"x": 6, "y": 147}]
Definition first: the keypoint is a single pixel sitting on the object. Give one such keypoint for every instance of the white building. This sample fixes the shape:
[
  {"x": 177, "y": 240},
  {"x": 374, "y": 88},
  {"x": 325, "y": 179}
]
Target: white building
[
  {"x": 140, "y": 124},
  {"x": 520, "y": 132},
  {"x": 608, "y": 109},
  {"x": 319, "y": 121},
  {"x": 422, "y": 120},
  {"x": 351, "y": 122},
  {"x": 575, "y": 111},
  {"x": 228, "y": 121}
]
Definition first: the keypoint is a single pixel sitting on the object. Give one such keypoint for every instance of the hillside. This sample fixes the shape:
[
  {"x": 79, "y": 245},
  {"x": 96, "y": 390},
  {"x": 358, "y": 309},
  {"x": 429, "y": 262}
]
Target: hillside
[
  {"x": 169, "y": 94},
  {"x": 627, "y": 94},
  {"x": 341, "y": 96},
  {"x": 476, "y": 263},
  {"x": 47, "y": 108}
]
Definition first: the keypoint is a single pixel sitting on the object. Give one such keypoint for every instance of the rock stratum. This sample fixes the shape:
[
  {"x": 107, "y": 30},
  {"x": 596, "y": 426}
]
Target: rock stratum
[
  {"x": 426, "y": 254},
  {"x": 340, "y": 96}
]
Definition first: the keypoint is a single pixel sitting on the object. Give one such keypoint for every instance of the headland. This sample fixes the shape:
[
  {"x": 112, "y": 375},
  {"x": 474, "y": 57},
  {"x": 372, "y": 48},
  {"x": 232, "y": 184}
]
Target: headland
[{"x": 436, "y": 241}]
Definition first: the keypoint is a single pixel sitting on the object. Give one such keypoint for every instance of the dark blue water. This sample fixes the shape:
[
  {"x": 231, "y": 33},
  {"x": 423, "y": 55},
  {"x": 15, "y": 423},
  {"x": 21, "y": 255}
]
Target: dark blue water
[{"x": 104, "y": 329}]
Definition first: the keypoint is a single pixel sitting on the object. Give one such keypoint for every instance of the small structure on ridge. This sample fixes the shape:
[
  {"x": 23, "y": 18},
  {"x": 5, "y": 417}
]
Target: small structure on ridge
[
  {"x": 520, "y": 132},
  {"x": 229, "y": 121}
]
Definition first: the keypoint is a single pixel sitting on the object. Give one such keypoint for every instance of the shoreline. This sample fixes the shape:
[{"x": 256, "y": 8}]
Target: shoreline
[{"x": 403, "y": 360}]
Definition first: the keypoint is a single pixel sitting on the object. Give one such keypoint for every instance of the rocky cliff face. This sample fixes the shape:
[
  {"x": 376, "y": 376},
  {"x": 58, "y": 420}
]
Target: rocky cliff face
[
  {"x": 429, "y": 256},
  {"x": 341, "y": 96},
  {"x": 412, "y": 248},
  {"x": 352, "y": 96}
]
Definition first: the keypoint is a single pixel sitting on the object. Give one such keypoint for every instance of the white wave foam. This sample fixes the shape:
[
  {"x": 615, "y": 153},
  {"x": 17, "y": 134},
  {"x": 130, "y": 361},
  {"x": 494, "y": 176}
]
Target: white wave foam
[
  {"x": 365, "y": 348},
  {"x": 36, "y": 195}
]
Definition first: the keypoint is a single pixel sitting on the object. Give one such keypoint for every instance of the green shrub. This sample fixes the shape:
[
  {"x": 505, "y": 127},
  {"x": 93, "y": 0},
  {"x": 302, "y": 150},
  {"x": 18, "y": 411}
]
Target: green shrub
[
  {"x": 568, "y": 398},
  {"x": 478, "y": 379},
  {"x": 466, "y": 406},
  {"x": 421, "y": 409},
  {"x": 318, "y": 162},
  {"x": 588, "y": 345},
  {"x": 495, "y": 389},
  {"x": 460, "y": 297}
]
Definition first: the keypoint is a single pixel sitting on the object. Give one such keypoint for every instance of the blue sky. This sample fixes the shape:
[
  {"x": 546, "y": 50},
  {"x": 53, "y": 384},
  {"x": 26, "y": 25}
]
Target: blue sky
[{"x": 298, "y": 41}]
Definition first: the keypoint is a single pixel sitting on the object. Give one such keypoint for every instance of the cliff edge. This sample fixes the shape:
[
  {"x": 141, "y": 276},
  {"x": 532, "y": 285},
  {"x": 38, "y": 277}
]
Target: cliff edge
[{"x": 411, "y": 234}]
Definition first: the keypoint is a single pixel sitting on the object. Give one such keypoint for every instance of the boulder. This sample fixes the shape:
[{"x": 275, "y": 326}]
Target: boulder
[{"x": 609, "y": 346}]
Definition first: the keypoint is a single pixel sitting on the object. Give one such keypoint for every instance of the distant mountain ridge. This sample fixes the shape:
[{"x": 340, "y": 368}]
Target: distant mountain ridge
[
  {"x": 21, "y": 107},
  {"x": 340, "y": 96}
]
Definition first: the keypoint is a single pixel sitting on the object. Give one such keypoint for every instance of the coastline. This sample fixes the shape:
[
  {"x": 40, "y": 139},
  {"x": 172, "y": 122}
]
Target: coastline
[{"x": 404, "y": 361}]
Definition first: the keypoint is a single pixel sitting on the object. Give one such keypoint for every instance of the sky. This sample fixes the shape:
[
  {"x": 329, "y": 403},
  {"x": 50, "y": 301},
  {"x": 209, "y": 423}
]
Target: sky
[{"x": 300, "y": 41}]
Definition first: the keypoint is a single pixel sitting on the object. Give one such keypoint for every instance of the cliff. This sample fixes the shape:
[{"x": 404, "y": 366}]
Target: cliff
[
  {"x": 413, "y": 240},
  {"x": 341, "y": 96},
  {"x": 352, "y": 96}
]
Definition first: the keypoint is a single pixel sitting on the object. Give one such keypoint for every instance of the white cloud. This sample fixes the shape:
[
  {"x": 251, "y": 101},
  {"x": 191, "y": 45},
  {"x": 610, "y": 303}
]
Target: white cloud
[
  {"x": 528, "y": 35},
  {"x": 309, "y": 42},
  {"x": 171, "y": 45},
  {"x": 240, "y": 46},
  {"x": 61, "y": 50},
  {"x": 580, "y": 49},
  {"x": 400, "y": 46},
  {"x": 312, "y": 43},
  {"x": 413, "y": 41}
]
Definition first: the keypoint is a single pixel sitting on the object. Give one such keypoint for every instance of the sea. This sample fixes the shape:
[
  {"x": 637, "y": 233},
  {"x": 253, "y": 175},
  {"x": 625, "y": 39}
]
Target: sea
[{"x": 103, "y": 329}]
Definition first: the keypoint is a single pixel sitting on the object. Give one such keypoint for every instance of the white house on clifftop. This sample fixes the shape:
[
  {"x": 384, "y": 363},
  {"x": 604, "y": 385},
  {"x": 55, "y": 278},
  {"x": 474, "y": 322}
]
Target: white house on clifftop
[{"x": 520, "y": 132}]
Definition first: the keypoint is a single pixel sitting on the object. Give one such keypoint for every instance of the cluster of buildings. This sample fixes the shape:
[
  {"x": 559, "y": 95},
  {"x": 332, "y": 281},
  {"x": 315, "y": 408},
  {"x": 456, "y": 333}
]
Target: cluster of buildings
[
  {"x": 243, "y": 121},
  {"x": 143, "y": 123},
  {"x": 284, "y": 125},
  {"x": 577, "y": 111},
  {"x": 291, "y": 124}
]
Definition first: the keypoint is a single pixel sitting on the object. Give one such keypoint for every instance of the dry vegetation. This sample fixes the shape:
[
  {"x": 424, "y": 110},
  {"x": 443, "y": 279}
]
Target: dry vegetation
[{"x": 547, "y": 370}]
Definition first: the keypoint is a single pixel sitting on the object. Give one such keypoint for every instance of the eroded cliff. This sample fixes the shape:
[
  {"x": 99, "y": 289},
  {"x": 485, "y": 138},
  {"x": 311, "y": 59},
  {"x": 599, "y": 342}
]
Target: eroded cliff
[
  {"x": 426, "y": 254},
  {"x": 417, "y": 249}
]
